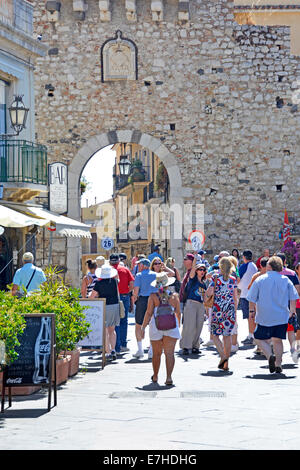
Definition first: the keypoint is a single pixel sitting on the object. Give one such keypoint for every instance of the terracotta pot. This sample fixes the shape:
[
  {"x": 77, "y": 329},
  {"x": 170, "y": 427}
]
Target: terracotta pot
[
  {"x": 19, "y": 390},
  {"x": 62, "y": 369},
  {"x": 74, "y": 363}
]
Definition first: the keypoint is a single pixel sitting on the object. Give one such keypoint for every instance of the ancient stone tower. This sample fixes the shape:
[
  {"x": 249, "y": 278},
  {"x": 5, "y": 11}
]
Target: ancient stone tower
[{"x": 215, "y": 100}]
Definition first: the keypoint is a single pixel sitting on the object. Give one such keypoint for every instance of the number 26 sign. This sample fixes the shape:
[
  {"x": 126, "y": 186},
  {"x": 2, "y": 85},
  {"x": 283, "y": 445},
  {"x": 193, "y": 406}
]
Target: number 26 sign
[{"x": 107, "y": 243}]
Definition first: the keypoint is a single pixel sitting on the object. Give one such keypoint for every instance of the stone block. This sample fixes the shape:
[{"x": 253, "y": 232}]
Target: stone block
[
  {"x": 80, "y": 5},
  {"x": 130, "y": 6},
  {"x": 104, "y": 7},
  {"x": 157, "y": 10}
]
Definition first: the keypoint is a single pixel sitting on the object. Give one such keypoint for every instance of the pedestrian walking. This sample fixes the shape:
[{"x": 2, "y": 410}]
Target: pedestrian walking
[
  {"x": 236, "y": 254},
  {"x": 155, "y": 253},
  {"x": 158, "y": 266},
  {"x": 234, "y": 333},
  {"x": 224, "y": 288},
  {"x": 163, "y": 305},
  {"x": 89, "y": 279},
  {"x": 28, "y": 278},
  {"x": 100, "y": 260},
  {"x": 141, "y": 292},
  {"x": 194, "y": 311},
  {"x": 175, "y": 287},
  {"x": 106, "y": 287},
  {"x": 272, "y": 293},
  {"x": 293, "y": 325},
  {"x": 125, "y": 287},
  {"x": 246, "y": 271},
  {"x": 297, "y": 271},
  {"x": 266, "y": 254},
  {"x": 187, "y": 262}
]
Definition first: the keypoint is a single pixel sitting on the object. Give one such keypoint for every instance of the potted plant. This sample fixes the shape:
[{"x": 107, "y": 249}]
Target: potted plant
[{"x": 137, "y": 171}]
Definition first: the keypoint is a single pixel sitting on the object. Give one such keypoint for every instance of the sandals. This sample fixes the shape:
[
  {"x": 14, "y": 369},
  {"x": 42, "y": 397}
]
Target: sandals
[
  {"x": 223, "y": 364},
  {"x": 154, "y": 381},
  {"x": 169, "y": 383}
]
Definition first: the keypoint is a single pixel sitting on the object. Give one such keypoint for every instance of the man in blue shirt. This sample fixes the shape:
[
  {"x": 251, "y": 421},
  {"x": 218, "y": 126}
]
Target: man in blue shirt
[
  {"x": 29, "y": 277},
  {"x": 272, "y": 293},
  {"x": 142, "y": 290},
  {"x": 155, "y": 254}
]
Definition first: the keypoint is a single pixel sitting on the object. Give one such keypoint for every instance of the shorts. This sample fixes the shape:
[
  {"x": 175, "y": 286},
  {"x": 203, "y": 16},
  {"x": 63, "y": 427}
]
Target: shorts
[
  {"x": 268, "y": 332},
  {"x": 244, "y": 306},
  {"x": 140, "y": 309},
  {"x": 112, "y": 315}
]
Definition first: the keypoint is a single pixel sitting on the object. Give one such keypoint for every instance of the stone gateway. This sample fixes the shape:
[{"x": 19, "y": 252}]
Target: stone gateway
[{"x": 214, "y": 99}]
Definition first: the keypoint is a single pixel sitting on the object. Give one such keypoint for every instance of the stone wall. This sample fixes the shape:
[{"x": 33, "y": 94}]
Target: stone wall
[{"x": 229, "y": 90}]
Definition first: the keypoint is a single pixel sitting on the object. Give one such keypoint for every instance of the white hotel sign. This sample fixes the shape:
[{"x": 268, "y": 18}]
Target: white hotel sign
[{"x": 58, "y": 187}]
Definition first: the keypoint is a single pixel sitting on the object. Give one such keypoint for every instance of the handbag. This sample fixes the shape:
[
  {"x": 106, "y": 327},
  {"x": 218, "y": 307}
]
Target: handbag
[
  {"x": 209, "y": 301},
  {"x": 164, "y": 317}
]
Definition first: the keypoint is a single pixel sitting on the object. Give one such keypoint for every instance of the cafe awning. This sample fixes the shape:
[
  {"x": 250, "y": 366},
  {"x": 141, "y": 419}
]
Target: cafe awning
[
  {"x": 34, "y": 215},
  {"x": 14, "y": 219}
]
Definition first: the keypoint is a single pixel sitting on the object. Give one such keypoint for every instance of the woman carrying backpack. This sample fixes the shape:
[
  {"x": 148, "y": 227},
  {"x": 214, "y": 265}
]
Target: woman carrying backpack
[{"x": 163, "y": 318}]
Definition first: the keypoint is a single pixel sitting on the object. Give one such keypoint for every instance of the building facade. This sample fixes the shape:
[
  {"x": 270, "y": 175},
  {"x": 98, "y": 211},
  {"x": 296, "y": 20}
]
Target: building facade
[
  {"x": 217, "y": 101},
  {"x": 23, "y": 162}
]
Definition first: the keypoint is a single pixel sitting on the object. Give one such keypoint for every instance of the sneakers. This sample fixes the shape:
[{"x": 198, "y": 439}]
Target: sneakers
[
  {"x": 196, "y": 351},
  {"x": 248, "y": 340},
  {"x": 209, "y": 343},
  {"x": 124, "y": 349},
  {"x": 278, "y": 370},
  {"x": 113, "y": 355},
  {"x": 272, "y": 367},
  {"x": 138, "y": 355},
  {"x": 234, "y": 348},
  {"x": 185, "y": 352},
  {"x": 295, "y": 353}
]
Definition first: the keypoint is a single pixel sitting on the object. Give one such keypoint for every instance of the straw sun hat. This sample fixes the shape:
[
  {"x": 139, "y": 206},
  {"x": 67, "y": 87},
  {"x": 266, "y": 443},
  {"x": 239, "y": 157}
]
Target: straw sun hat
[{"x": 162, "y": 280}]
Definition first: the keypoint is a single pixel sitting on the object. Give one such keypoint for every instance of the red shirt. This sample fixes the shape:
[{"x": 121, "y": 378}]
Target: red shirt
[{"x": 125, "y": 277}]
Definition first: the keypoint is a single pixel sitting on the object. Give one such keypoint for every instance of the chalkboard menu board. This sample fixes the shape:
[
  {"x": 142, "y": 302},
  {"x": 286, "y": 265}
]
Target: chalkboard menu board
[
  {"x": 36, "y": 355},
  {"x": 33, "y": 363},
  {"x": 95, "y": 315}
]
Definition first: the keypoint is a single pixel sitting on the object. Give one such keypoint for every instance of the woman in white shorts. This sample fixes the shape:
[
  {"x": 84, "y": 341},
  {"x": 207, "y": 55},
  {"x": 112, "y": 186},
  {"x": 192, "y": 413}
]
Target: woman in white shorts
[{"x": 162, "y": 340}]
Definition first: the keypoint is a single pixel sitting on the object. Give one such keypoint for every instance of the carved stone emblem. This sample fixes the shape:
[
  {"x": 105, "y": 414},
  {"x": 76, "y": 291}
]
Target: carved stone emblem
[{"x": 118, "y": 59}]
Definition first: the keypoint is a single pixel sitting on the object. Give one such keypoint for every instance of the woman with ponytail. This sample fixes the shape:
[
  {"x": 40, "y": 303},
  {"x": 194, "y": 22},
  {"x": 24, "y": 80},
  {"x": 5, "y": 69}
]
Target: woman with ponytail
[
  {"x": 165, "y": 306},
  {"x": 89, "y": 279}
]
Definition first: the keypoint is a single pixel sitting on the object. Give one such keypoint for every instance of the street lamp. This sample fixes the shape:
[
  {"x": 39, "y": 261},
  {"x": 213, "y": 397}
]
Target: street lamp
[
  {"x": 125, "y": 163},
  {"x": 18, "y": 116}
]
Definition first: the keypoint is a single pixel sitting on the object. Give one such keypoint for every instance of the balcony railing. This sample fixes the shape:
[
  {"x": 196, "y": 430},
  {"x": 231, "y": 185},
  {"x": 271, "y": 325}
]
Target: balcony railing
[
  {"x": 120, "y": 181},
  {"x": 23, "y": 162}
]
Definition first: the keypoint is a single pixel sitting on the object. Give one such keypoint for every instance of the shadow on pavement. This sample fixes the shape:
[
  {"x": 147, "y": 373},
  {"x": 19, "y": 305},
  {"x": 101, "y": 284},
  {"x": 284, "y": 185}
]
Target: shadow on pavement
[
  {"x": 137, "y": 361},
  {"x": 269, "y": 376},
  {"x": 155, "y": 387},
  {"x": 28, "y": 413},
  {"x": 217, "y": 373}
]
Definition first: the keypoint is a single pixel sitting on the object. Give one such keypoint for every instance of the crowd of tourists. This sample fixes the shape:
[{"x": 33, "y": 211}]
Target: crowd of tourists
[{"x": 175, "y": 308}]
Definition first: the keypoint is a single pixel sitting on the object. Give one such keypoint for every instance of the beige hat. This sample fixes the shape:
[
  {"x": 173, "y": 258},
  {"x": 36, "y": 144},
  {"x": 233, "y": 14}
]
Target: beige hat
[
  {"x": 162, "y": 280},
  {"x": 28, "y": 256},
  {"x": 100, "y": 260}
]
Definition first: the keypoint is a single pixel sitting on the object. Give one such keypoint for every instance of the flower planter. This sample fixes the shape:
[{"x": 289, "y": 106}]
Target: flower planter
[
  {"x": 20, "y": 390},
  {"x": 62, "y": 369},
  {"x": 74, "y": 362}
]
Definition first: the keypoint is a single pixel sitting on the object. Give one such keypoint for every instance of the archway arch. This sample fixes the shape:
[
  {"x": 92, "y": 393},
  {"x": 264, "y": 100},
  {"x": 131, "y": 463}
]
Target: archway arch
[{"x": 93, "y": 145}]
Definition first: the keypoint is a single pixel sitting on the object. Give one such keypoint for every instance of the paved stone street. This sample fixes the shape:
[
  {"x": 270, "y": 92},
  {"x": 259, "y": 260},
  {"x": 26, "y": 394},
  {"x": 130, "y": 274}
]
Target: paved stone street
[{"x": 119, "y": 408}]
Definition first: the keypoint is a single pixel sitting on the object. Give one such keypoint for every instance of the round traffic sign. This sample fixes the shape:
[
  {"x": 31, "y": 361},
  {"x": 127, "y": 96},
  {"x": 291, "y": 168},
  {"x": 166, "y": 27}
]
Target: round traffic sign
[
  {"x": 197, "y": 239},
  {"x": 107, "y": 243}
]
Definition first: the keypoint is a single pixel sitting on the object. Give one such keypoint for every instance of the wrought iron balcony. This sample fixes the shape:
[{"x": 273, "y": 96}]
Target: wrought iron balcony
[
  {"x": 138, "y": 174},
  {"x": 23, "y": 162}
]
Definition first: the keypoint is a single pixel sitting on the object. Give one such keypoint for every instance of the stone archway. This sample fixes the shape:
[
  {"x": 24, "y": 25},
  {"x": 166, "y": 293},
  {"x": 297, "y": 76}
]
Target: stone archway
[{"x": 93, "y": 145}]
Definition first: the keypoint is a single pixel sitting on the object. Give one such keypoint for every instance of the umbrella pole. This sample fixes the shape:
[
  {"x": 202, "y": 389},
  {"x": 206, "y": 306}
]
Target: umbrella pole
[{"x": 50, "y": 249}]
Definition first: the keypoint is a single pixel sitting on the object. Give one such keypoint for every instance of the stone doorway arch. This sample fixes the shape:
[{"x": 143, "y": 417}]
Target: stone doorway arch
[{"x": 86, "y": 152}]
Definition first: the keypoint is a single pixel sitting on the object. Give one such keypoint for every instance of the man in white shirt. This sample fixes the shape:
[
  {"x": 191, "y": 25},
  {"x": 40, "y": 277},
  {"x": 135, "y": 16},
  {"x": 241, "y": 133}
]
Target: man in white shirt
[{"x": 246, "y": 271}]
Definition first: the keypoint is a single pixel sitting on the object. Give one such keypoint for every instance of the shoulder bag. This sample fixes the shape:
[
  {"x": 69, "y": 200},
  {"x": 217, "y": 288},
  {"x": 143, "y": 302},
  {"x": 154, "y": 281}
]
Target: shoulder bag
[
  {"x": 209, "y": 301},
  {"x": 22, "y": 293}
]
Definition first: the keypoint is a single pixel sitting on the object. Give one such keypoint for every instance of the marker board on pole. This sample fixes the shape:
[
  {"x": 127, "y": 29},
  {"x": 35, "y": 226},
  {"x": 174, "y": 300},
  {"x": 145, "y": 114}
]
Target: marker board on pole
[{"x": 95, "y": 315}]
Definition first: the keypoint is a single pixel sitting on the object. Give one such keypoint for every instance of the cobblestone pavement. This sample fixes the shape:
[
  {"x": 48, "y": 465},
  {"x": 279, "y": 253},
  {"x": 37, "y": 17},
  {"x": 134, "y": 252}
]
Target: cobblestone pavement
[{"x": 119, "y": 408}]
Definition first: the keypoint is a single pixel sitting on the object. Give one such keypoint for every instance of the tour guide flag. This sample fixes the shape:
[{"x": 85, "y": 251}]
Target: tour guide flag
[{"x": 286, "y": 228}]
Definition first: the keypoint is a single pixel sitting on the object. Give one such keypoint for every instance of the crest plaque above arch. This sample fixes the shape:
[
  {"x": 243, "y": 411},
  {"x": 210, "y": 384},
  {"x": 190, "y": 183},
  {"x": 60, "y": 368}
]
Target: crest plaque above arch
[{"x": 119, "y": 59}]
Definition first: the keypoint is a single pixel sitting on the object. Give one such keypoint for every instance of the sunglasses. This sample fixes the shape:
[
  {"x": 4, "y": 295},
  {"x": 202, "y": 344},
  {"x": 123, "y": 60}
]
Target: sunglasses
[
  {"x": 201, "y": 269},
  {"x": 156, "y": 263}
]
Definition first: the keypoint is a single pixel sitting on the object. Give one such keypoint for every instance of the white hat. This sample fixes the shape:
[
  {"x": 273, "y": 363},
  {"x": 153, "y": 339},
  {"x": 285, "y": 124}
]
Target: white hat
[
  {"x": 106, "y": 272},
  {"x": 28, "y": 256},
  {"x": 162, "y": 280}
]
